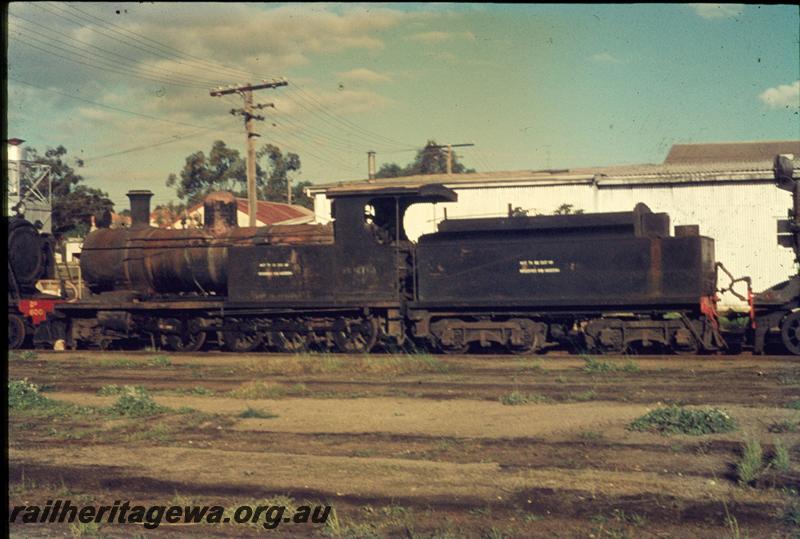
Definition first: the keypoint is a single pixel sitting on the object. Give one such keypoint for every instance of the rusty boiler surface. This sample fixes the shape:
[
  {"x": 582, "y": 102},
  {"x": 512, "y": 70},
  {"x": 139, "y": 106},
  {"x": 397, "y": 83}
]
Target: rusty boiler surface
[{"x": 154, "y": 260}]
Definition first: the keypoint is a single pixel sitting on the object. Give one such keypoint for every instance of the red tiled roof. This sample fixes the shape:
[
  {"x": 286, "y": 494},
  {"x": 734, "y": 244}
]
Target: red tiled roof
[{"x": 270, "y": 213}]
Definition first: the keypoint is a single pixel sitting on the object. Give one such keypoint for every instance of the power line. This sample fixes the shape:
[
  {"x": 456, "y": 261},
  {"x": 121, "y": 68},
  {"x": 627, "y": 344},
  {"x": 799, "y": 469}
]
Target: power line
[
  {"x": 116, "y": 109},
  {"x": 105, "y": 53},
  {"x": 107, "y": 63},
  {"x": 306, "y": 96},
  {"x": 94, "y": 66}
]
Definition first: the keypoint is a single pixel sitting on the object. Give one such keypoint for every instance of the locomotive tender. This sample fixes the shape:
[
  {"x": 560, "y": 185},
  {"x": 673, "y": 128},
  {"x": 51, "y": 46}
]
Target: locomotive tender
[{"x": 606, "y": 281}]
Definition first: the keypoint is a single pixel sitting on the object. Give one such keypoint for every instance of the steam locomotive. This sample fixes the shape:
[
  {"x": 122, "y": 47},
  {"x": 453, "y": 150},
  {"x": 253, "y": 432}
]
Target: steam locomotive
[{"x": 605, "y": 282}]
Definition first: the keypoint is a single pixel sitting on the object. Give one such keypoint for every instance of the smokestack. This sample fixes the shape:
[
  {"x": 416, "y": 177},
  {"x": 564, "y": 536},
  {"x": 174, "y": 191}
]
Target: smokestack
[
  {"x": 371, "y": 165},
  {"x": 220, "y": 211},
  {"x": 140, "y": 207}
]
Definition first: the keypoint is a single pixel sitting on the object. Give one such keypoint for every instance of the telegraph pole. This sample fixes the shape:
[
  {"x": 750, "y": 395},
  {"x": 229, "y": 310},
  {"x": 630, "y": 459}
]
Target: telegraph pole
[
  {"x": 246, "y": 91},
  {"x": 450, "y": 153},
  {"x": 371, "y": 165}
]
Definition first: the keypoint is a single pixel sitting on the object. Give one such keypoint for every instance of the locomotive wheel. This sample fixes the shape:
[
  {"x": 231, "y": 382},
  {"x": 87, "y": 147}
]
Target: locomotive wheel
[
  {"x": 189, "y": 343},
  {"x": 355, "y": 336},
  {"x": 790, "y": 333},
  {"x": 16, "y": 331},
  {"x": 289, "y": 342},
  {"x": 237, "y": 341}
]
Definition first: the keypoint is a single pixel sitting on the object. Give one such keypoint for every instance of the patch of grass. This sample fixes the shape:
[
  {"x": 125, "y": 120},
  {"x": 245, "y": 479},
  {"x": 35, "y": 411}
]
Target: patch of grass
[
  {"x": 82, "y": 529},
  {"x": 256, "y": 413},
  {"x": 677, "y": 420},
  {"x": 161, "y": 361},
  {"x": 786, "y": 425},
  {"x": 594, "y": 366},
  {"x": 24, "y": 355},
  {"x": 114, "y": 389},
  {"x": 157, "y": 433},
  {"x": 136, "y": 402},
  {"x": 516, "y": 398},
  {"x": 23, "y": 395},
  {"x": 197, "y": 390},
  {"x": 583, "y": 396},
  {"x": 117, "y": 363},
  {"x": 791, "y": 513},
  {"x": 790, "y": 378},
  {"x": 526, "y": 364},
  {"x": 751, "y": 465},
  {"x": 310, "y": 363},
  {"x": 781, "y": 462}
]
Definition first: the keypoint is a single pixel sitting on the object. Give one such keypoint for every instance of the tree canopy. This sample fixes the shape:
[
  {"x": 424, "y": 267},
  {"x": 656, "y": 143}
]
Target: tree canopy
[
  {"x": 224, "y": 169},
  {"x": 431, "y": 159},
  {"x": 74, "y": 204}
]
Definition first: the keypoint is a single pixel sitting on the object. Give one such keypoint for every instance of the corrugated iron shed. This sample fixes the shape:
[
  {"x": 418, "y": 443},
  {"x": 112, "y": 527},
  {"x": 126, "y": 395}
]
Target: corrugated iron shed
[{"x": 727, "y": 152}]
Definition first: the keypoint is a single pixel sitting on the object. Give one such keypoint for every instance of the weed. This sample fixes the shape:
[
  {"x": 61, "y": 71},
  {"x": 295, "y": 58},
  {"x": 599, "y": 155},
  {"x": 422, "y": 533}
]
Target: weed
[
  {"x": 256, "y": 413},
  {"x": 751, "y": 465},
  {"x": 732, "y": 524},
  {"x": 118, "y": 363},
  {"x": 794, "y": 405},
  {"x": 83, "y": 529},
  {"x": 630, "y": 518},
  {"x": 136, "y": 402},
  {"x": 493, "y": 533},
  {"x": 677, "y": 420},
  {"x": 590, "y": 435},
  {"x": 583, "y": 396},
  {"x": 158, "y": 433},
  {"x": 787, "y": 425},
  {"x": 161, "y": 361},
  {"x": 516, "y": 398},
  {"x": 780, "y": 458},
  {"x": 526, "y": 364},
  {"x": 790, "y": 378},
  {"x": 332, "y": 526},
  {"x": 791, "y": 514},
  {"x": 113, "y": 389},
  {"x": 197, "y": 390},
  {"x": 25, "y": 355},
  {"x": 561, "y": 379},
  {"x": 594, "y": 366},
  {"x": 23, "y": 394}
]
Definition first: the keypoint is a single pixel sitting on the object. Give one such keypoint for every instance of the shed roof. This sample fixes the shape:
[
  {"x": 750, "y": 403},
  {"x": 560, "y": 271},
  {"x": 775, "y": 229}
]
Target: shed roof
[
  {"x": 731, "y": 151},
  {"x": 755, "y": 163}
]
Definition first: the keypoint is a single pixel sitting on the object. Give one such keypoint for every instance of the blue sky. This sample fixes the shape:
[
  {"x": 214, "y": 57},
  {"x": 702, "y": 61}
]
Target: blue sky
[{"x": 537, "y": 86}]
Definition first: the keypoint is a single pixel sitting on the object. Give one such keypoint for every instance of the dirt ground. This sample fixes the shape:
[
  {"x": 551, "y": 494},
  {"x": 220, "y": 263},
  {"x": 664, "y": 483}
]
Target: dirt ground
[{"x": 410, "y": 446}]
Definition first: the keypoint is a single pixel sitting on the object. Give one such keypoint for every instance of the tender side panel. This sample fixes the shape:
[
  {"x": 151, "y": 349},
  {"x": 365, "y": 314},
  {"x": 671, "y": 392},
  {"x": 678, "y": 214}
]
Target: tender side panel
[{"x": 540, "y": 273}]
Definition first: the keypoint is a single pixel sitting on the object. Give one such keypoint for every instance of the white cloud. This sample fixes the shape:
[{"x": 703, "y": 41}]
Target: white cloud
[
  {"x": 784, "y": 95},
  {"x": 606, "y": 58},
  {"x": 362, "y": 74},
  {"x": 434, "y": 37},
  {"x": 717, "y": 11}
]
